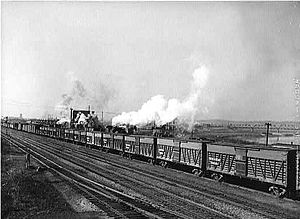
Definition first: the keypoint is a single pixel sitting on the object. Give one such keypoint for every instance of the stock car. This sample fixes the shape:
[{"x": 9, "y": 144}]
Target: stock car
[{"x": 276, "y": 168}]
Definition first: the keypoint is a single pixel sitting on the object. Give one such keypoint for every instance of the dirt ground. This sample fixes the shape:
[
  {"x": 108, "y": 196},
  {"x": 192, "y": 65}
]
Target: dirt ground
[{"x": 26, "y": 193}]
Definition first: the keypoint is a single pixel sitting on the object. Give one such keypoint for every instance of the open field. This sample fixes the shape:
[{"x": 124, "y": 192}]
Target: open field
[{"x": 247, "y": 136}]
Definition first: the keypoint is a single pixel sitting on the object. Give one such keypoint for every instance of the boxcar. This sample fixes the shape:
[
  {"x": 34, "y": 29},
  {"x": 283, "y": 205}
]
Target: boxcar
[
  {"x": 191, "y": 153},
  {"x": 82, "y": 136},
  {"x": 107, "y": 140},
  {"x": 90, "y": 138},
  {"x": 61, "y": 133},
  {"x": 69, "y": 134},
  {"x": 269, "y": 165},
  {"x": 132, "y": 144},
  {"x": 76, "y": 135},
  {"x": 221, "y": 159},
  {"x": 98, "y": 139},
  {"x": 276, "y": 166},
  {"x": 147, "y": 146},
  {"x": 118, "y": 142}
]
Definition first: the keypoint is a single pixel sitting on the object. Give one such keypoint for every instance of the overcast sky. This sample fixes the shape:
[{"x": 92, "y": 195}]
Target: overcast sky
[{"x": 125, "y": 53}]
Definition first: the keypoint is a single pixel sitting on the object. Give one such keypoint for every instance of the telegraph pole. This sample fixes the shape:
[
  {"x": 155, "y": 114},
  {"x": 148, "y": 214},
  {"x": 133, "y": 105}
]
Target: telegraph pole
[
  {"x": 267, "y": 137},
  {"x": 102, "y": 117}
]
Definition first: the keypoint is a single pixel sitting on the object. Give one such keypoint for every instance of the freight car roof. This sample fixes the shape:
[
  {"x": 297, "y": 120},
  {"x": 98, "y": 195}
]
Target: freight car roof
[
  {"x": 258, "y": 147},
  {"x": 249, "y": 147}
]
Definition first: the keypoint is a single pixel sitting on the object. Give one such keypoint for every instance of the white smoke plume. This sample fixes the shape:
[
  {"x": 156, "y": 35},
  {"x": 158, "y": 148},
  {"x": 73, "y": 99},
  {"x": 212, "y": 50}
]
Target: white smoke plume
[
  {"x": 162, "y": 111},
  {"x": 63, "y": 121},
  {"x": 82, "y": 119}
]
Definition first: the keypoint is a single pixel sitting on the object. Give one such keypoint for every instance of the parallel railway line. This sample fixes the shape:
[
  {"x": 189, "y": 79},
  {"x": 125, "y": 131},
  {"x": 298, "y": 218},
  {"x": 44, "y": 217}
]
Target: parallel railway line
[
  {"x": 207, "y": 193},
  {"x": 266, "y": 169},
  {"x": 199, "y": 193},
  {"x": 165, "y": 213},
  {"x": 188, "y": 193},
  {"x": 113, "y": 202},
  {"x": 239, "y": 202}
]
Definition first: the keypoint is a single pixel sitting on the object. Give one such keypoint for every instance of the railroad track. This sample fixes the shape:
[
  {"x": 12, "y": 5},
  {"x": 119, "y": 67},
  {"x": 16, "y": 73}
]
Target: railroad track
[
  {"x": 201, "y": 195},
  {"x": 113, "y": 202},
  {"x": 235, "y": 201},
  {"x": 239, "y": 208},
  {"x": 192, "y": 209},
  {"x": 204, "y": 213}
]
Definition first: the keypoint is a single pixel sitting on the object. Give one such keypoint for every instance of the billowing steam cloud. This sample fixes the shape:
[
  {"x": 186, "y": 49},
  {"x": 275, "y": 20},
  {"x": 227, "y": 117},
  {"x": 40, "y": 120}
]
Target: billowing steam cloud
[{"x": 162, "y": 111}]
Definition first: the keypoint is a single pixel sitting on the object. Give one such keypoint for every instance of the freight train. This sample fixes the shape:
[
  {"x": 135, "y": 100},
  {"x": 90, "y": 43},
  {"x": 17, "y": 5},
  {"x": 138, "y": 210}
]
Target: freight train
[{"x": 276, "y": 168}]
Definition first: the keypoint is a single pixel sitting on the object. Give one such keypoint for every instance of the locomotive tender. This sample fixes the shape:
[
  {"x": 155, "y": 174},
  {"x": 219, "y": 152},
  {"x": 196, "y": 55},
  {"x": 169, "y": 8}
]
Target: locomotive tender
[{"x": 275, "y": 167}]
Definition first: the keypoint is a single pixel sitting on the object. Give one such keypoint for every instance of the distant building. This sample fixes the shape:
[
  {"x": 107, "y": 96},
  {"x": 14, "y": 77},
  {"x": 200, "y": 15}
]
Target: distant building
[{"x": 74, "y": 113}]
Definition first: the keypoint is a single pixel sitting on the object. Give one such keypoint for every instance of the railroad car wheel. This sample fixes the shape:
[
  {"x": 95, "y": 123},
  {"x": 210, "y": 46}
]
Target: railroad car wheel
[
  {"x": 277, "y": 192},
  {"x": 216, "y": 176},
  {"x": 151, "y": 161},
  {"x": 128, "y": 156},
  {"x": 197, "y": 172},
  {"x": 163, "y": 164}
]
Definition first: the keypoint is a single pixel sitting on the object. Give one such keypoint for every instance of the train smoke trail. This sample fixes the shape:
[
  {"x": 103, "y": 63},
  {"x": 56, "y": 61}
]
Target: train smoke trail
[
  {"x": 162, "y": 111},
  {"x": 78, "y": 96},
  {"x": 77, "y": 93}
]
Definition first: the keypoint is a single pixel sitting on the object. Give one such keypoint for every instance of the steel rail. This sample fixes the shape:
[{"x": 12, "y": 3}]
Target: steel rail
[
  {"x": 220, "y": 214},
  {"x": 225, "y": 200},
  {"x": 148, "y": 214}
]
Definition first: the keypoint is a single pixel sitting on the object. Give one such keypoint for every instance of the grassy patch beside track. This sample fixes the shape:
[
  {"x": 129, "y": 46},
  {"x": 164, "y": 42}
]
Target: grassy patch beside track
[{"x": 26, "y": 193}]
